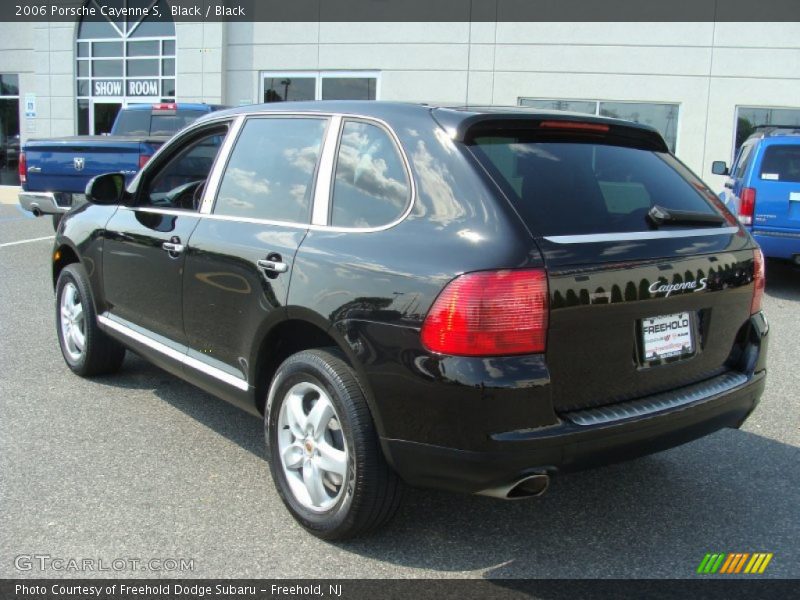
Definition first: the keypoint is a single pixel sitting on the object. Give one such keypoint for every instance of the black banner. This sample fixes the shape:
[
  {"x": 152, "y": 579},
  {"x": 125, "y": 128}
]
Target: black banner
[
  {"x": 403, "y": 10},
  {"x": 414, "y": 589}
]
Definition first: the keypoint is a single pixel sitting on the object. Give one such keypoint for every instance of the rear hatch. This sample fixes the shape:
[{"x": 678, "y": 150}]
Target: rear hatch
[
  {"x": 777, "y": 185},
  {"x": 650, "y": 278}
]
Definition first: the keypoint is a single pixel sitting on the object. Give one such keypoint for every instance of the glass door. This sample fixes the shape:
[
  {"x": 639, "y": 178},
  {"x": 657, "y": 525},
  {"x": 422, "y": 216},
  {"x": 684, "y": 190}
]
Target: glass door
[{"x": 103, "y": 113}]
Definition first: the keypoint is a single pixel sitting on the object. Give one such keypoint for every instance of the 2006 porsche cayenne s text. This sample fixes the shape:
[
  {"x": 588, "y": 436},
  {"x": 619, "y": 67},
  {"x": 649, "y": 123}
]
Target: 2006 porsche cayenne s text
[{"x": 473, "y": 299}]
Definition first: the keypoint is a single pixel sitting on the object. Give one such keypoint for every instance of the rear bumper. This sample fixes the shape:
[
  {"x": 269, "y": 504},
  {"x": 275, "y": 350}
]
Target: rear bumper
[
  {"x": 593, "y": 437},
  {"x": 41, "y": 203},
  {"x": 566, "y": 447},
  {"x": 776, "y": 244}
]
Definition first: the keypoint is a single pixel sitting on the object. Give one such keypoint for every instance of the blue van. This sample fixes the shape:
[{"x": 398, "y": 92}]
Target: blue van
[{"x": 763, "y": 189}]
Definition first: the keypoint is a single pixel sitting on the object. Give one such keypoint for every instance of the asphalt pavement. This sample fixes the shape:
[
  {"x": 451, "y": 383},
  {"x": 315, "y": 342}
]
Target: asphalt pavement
[{"x": 143, "y": 466}]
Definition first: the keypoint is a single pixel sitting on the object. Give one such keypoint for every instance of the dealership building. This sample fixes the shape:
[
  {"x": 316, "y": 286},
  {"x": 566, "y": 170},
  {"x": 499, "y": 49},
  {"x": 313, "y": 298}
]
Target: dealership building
[{"x": 703, "y": 85}]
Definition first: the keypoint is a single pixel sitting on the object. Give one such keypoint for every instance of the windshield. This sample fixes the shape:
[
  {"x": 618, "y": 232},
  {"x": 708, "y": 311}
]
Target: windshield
[{"x": 573, "y": 188}]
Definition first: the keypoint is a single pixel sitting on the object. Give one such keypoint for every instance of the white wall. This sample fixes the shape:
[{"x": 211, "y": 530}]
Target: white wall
[
  {"x": 706, "y": 68},
  {"x": 199, "y": 62}
]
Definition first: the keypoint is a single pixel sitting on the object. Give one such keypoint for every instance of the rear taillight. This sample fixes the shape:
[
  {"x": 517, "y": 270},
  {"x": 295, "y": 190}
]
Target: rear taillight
[
  {"x": 759, "y": 281},
  {"x": 747, "y": 206},
  {"x": 165, "y": 106},
  {"x": 22, "y": 168},
  {"x": 489, "y": 313},
  {"x": 143, "y": 158}
]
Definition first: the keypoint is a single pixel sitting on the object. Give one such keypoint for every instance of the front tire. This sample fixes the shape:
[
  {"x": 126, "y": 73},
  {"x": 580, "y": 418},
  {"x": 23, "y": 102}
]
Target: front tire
[
  {"x": 324, "y": 454},
  {"x": 86, "y": 349}
]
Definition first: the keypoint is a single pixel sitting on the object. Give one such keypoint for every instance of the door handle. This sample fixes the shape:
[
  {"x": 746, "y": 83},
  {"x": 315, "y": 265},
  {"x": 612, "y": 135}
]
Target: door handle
[
  {"x": 172, "y": 247},
  {"x": 276, "y": 266},
  {"x": 34, "y": 169}
]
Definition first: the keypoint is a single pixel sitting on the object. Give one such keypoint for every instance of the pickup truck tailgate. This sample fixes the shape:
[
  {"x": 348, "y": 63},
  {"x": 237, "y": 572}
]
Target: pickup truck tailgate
[{"x": 67, "y": 164}]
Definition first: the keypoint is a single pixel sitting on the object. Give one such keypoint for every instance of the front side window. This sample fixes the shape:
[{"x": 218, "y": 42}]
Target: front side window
[
  {"x": 180, "y": 182},
  {"x": 744, "y": 161},
  {"x": 370, "y": 187},
  {"x": 271, "y": 170}
]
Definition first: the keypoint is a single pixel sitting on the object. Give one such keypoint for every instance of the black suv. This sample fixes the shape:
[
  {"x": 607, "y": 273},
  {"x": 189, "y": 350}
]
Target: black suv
[{"x": 469, "y": 299}]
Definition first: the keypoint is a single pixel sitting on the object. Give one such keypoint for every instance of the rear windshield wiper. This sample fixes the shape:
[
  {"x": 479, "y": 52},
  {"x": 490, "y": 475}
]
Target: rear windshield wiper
[{"x": 658, "y": 215}]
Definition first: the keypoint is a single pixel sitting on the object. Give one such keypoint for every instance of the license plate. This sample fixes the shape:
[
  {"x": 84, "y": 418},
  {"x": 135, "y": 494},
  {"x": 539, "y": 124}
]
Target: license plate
[{"x": 667, "y": 335}]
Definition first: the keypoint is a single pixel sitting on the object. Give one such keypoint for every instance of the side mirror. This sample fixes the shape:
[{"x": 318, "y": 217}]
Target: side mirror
[
  {"x": 718, "y": 167},
  {"x": 106, "y": 189}
]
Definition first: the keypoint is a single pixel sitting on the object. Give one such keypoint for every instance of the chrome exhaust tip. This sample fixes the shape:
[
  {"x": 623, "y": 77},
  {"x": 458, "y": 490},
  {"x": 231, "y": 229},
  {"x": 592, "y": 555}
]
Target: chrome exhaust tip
[{"x": 529, "y": 486}]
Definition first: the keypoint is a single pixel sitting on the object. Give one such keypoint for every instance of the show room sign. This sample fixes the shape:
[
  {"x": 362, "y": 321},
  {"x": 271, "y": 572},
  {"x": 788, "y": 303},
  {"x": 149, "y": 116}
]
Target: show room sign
[{"x": 132, "y": 87}]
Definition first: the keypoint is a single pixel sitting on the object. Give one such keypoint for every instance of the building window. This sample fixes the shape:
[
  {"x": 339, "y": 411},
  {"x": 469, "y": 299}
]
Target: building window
[
  {"x": 123, "y": 62},
  {"x": 9, "y": 129},
  {"x": 750, "y": 118},
  {"x": 662, "y": 116},
  {"x": 319, "y": 85}
]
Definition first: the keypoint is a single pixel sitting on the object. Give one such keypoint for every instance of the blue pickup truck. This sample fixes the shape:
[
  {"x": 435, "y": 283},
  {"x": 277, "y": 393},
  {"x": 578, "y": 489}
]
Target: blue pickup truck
[{"x": 54, "y": 172}]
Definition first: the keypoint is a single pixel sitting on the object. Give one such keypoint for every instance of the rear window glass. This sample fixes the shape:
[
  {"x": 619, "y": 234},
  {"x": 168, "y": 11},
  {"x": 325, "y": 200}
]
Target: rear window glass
[
  {"x": 781, "y": 163},
  {"x": 171, "y": 122},
  {"x": 146, "y": 122},
  {"x": 565, "y": 188},
  {"x": 133, "y": 122}
]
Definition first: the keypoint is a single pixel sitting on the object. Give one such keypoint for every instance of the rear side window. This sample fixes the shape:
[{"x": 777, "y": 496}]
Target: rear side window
[
  {"x": 371, "y": 185},
  {"x": 271, "y": 170},
  {"x": 781, "y": 163},
  {"x": 574, "y": 188}
]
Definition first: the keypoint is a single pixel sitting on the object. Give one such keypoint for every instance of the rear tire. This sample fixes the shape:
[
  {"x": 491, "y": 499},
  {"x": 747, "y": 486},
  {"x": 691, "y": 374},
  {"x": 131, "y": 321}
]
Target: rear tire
[
  {"x": 86, "y": 349},
  {"x": 324, "y": 454}
]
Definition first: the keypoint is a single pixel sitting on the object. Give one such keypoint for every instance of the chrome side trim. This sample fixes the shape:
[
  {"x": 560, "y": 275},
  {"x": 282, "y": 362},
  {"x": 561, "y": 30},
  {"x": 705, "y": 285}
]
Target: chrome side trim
[
  {"x": 220, "y": 162},
  {"x": 180, "y": 357},
  {"x": 322, "y": 192},
  {"x": 777, "y": 234},
  {"x": 638, "y": 235},
  {"x": 658, "y": 402}
]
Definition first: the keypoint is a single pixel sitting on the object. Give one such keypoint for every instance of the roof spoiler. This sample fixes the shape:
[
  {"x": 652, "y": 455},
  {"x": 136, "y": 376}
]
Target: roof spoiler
[{"x": 551, "y": 126}]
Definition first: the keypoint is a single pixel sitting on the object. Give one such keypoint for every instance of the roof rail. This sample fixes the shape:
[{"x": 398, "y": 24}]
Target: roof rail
[
  {"x": 765, "y": 131},
  {"x": 776, "y": 126}
]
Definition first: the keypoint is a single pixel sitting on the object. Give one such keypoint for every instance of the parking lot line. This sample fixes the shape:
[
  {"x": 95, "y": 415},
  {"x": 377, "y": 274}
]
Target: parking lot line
[{"x": 49, "y": 237}]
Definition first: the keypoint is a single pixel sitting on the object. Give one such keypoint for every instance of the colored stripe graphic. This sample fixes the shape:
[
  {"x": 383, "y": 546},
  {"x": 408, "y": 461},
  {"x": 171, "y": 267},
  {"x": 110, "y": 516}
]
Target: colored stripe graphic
[{"x": 734, "y": 562}]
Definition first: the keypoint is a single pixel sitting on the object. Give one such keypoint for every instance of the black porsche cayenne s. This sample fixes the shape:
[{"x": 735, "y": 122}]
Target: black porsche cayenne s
[{"x": 470, "y": 299}]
